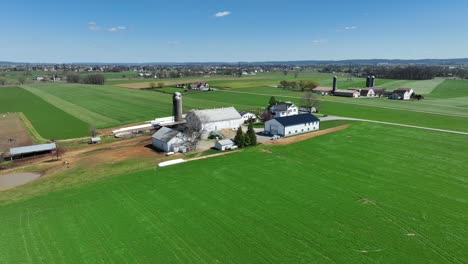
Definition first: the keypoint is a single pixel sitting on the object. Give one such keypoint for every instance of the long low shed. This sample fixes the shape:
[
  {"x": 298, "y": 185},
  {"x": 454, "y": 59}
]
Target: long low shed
[{"x": 34, "y": 149}]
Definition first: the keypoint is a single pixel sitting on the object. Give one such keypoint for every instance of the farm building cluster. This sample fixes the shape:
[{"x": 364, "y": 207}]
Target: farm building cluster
[
  {"x": 370, "y": 91},
  {"x": 183, "y": 131}
]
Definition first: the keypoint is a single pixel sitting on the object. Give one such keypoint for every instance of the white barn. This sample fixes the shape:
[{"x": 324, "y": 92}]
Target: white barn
[
  {"x": 404, "y": 93},
  {"x": 168, "y": 140},
  {"x": 224, "y": 144},
  {"x": 214, "y": 119},
  {"x": 292, "y": 125}
]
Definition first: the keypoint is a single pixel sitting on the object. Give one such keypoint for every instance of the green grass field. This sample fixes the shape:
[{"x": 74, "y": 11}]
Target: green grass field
[
  {"x": 451, "y": 89},
  {"x": 368, "y": 194},
  {"x": 51, "y": 122}
]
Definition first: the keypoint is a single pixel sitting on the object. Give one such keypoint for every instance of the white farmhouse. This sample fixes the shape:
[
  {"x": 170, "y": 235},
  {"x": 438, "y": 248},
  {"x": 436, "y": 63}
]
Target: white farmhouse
[
  {"x": 214, "y": 119},
  {"x": 292, "y": 125},
  {"x": 284, "y": 109},
  {"x": 168, "y": 140},
  {"x": 246, "y": 116}
]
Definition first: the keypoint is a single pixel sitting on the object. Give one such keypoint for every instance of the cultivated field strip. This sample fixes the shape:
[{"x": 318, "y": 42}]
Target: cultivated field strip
[
  {"x": 70, "y": 108},
  {"x": 49, "y": 121},
  {"x": 368, "y": 194}
]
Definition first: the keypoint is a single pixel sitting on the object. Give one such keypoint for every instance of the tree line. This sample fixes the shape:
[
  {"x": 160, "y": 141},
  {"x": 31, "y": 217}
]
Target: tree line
[
  {"x": 86, "y": 79},
  {"x": 417, "y": 72},
  {"x": 299, "y": 85}
]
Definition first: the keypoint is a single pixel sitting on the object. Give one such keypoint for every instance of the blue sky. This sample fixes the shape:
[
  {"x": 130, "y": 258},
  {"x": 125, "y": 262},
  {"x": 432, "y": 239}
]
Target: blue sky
[{"x": 231, "y": 30}]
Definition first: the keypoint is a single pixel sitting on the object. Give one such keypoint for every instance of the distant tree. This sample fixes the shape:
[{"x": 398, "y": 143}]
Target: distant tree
[
  {"x": 3, "y": 81},
  {"x": 272, "y": 101},
  {"x": 160, "y": 84},
  {"x": 73, "y": 78},
  {"x": 284, "y": 84},
  {"x": 21, "y": 80},
  {"x": 251, "y": 135},
  {"x": 302, "y": 85},
  {"x": 93, "y": 79},
  {"x": 152, "y": 85},
  {"x": 239, "y": 139},
  {"x": 265, "y": 116},
  {"x": 310, "y": 101},
  {"x": 309, "y": 85},
  {"x": 285, "y": 73},
  {"x": 296, "y": 74}
]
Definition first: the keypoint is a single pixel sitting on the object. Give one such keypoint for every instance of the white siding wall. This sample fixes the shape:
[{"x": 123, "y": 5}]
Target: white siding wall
[
  {"x": 228, "y": 124},
  {"x": 274, "y": 127},
  {"x": 169, "y": 146},
  {"x": 302, "y": 128}
]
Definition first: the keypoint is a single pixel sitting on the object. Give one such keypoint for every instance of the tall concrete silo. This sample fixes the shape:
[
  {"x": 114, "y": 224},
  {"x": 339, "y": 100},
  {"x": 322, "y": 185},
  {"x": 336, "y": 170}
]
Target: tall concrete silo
[
  {"x": 177, "y": 106},
  {"x": 334, "y": 84}
]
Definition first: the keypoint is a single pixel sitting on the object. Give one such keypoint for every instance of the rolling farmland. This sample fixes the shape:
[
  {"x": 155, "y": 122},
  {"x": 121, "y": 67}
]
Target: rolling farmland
[
  {"x": 51, "y": 122},
  {"x": 108, "y": 106},
  {"x": 348, "y": 197}
]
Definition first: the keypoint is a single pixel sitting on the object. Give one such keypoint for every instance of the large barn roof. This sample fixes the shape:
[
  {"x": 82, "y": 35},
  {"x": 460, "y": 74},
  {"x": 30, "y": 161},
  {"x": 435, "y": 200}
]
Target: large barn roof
[
  {"x": 32, "y": 149},
  {"x": 217, "y": 114},
  {"x": 297, "y": 119},
  {"x": 165, "y": 134}
]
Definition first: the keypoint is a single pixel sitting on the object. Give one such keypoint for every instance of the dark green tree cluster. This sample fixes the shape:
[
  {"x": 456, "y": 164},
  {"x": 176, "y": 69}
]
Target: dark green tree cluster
[
  {"x": 246, "y": 139},
  {"x": 86, "y": 79},
  {"x": 299, "y": 85}
]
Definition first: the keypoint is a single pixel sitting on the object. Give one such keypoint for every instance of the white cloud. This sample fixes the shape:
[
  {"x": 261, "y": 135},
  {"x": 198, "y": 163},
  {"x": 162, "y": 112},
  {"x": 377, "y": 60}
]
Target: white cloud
[
  {"x": 350, "y": 28},
  {"x": 94, "y": 27},
  {"x": 319, "y": 41},
  {"x": 174, "y": 43},
  {"x": 222, "y": 14}
]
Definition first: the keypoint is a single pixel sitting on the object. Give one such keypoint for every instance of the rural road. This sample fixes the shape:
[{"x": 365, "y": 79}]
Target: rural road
[{"x": 330, "y": 118}]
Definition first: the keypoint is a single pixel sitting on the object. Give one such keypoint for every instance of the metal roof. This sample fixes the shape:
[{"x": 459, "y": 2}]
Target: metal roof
[
  {"x": 297, "y": 119},
  {"x": 217, "y": 114},
  {"x": 165, "y": 134},
  {"x": 32, "y": 149},
  {"x": 225, "y": 142}
]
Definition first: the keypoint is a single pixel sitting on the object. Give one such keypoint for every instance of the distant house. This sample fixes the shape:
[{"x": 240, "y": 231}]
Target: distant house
[
  {"x": 292, "y": 125},
  {"x": 307, "y": 110},
  {"x": 203, "y": 86},
  {"x": 347, "y": 93},
  {"x": 209, "y": 120},
  {"x": 282, "y": 109},
  {"x": 402, "y": 94},
  {"x": 168, "y": 140},
  {"x": 246, "y": 116},
  {"x": 369, "y": 92},
  {"x": 322, "y": 90},
  {"x": 225, "y": 144}
]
